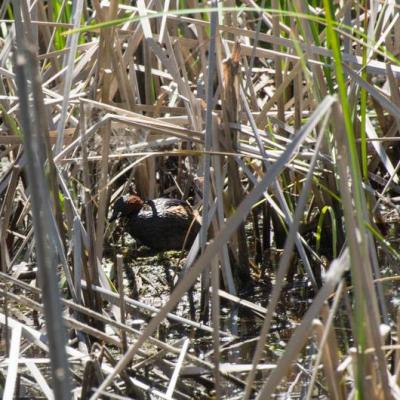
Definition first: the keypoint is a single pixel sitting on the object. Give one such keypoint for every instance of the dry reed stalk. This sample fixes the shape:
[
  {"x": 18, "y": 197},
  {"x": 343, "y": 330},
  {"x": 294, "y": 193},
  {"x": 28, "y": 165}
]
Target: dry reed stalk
[{"x": 34, "y": 134}]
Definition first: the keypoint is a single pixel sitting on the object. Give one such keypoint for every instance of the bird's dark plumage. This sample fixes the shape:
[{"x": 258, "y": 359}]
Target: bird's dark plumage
[{"x": 161, "y": 224}]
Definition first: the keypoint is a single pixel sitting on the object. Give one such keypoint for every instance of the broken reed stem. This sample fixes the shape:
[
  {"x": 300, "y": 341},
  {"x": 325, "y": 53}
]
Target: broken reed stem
[{"x": 122, "y": 306}]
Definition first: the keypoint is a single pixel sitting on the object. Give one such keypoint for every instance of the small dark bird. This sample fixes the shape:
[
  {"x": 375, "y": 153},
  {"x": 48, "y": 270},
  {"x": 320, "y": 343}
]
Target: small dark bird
[{"x": 161, "y": 224}]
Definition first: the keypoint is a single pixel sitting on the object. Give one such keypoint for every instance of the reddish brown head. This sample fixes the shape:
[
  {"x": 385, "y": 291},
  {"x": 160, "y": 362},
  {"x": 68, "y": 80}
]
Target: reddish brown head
[{"x": 126, "y": 206}]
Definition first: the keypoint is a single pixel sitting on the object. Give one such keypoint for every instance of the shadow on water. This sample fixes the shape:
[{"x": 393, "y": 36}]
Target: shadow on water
[{"x": 153, "y": 274}]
